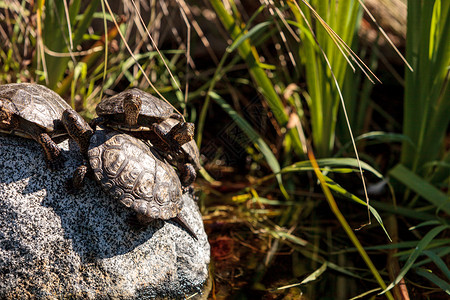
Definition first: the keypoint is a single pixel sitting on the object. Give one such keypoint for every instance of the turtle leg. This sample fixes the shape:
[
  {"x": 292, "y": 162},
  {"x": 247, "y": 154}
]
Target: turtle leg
[
  {"x": 187, "y": 173},
  {"x": 76, "y": 182},
  {"x": 182, "y": 222},
  {"x": 53, "y": 154},
  {"x": 96, "y": 121}
]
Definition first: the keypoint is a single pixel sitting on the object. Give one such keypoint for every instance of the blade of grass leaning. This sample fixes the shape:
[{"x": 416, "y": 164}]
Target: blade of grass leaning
[
  {"x": 365, "y": 294},
  {"x": 438, "y": 262},
  {"x": 436, "y": 243},
  {"x": 313, "y": 256},
  {"x": 402, "y": 211},
  {"x": 313, "y": 276},
  {"x": 376, "y": 137},
  {"x": 438, "y": 251},
  {"x": 254, "y": 138},
  {"x": 335, "y": 209},
  {"x": 255, "y": 30},
  {"x": 421, "y": 187},
  {"x": 415, "y": 254},
  {"x": 350, "y": 162},
  {"x": 263, "y": 83},
  {"x": 428, "y": 274},
  {"x": 344, "y": 193},
  {"x": 331, "y": 162}
]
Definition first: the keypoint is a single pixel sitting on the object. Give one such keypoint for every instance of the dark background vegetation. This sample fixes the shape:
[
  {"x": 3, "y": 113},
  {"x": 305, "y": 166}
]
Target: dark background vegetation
[{"x": 254, "y": 80}]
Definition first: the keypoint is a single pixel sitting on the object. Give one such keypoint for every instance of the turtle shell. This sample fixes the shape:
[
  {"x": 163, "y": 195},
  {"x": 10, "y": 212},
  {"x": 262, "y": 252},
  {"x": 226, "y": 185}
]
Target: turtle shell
[
  {"x": 152, "y": 110},
  {"x": 34, "y": 103},
  {"x": 127, "y": 169}
]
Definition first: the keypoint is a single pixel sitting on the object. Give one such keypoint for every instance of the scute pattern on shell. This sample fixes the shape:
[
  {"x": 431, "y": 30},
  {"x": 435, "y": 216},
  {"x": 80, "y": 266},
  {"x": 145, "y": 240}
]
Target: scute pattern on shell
[
  {"x": 151, "y": 106},
  {"x": 131, "y": 174},
  {"x": 33, "y": 102}
]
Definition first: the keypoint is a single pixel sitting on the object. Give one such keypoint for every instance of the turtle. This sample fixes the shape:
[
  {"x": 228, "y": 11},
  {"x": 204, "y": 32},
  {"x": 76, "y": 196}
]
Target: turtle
[
  {"x": 134, "y": 111},
  {"x": 128, "y": 170},
  {"x": 34, "y": 111},
  {"x": 185, "y": 157}
]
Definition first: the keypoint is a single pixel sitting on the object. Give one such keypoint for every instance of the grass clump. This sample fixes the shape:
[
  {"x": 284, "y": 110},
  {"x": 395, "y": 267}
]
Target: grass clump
[{"x": 266, "y": 85}]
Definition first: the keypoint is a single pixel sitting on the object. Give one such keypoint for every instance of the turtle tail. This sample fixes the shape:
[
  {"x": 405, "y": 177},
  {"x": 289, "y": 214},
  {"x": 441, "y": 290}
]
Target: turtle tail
[{"x": 182, "y": 222}]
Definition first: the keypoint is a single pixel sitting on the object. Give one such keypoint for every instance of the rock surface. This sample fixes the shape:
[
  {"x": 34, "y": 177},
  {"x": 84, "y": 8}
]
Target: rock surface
[{"x": 54, "y": 245}]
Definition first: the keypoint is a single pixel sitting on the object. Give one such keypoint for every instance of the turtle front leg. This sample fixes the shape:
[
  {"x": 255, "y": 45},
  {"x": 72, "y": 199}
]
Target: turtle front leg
[
  {"x": 96, "y": 122},
  {"x": 53, "y": 154}
]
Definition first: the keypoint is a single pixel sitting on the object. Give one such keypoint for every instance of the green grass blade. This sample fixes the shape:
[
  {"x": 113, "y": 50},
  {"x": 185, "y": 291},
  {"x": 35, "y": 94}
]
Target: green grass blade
[
  {"x": 348, "y": 230},
  {"x": 438, "y": 262},
  {"x": 404, "y": 245},
  {"x": 55, "y": 34},
  {"x": 402, "y": 211},
  {"x": 337, "y": 162},
  {"x": 428, "y": 274},
  {"x": 312, "y": 277},
  {"x": 421, "y": 187},
  {"x": 344, "y": 193},
  {"x": 321, "y": 87},
  {"x": 426, "y": 105},
  {"x": 376, "y": 137},
  {"x": 254, "y": 31},
  {"x": 416, "y": 253}
]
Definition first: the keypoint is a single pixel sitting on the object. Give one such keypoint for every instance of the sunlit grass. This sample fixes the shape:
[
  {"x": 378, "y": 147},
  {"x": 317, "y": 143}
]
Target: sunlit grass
[{"x": 293, "y": 61}]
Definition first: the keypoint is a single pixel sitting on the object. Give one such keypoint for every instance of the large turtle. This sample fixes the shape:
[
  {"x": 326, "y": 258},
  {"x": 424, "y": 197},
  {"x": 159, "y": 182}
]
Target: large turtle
[
  {"x": 128, "y": 170},
  {"x": 134, "y": 110},
  {"x": 185, "y": 157},
  {"x": 34, "y": 111}
]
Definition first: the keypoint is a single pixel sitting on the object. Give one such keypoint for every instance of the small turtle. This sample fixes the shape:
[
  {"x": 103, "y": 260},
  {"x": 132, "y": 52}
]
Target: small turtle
[
  {"x": 128, "y": 170},
  {"x": 134, "y": 110},
  {"x": 185, "y": 157},
  {"x": 34, "y": 111}
]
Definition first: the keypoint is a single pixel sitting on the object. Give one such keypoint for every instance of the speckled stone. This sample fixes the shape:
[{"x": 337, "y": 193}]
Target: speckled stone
[{"x": 54, "y": 245}]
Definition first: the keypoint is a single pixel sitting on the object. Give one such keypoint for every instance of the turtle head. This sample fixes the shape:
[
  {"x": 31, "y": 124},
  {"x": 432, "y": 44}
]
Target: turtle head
[
  {"x": 132, "y": 104},
  {"x": 6, "y": 118},
  {"x": 183, "y": 132},
  {"x": 77, "y": 128}
]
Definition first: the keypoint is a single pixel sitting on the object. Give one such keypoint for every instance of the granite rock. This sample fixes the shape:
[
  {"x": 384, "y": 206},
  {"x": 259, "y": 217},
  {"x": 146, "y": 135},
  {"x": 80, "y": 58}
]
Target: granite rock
[{"x": 55, "y": 245}]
